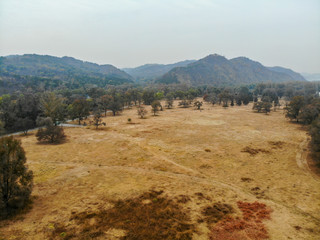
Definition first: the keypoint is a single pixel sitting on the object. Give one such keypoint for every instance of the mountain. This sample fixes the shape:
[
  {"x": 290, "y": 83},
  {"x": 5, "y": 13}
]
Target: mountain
[
  {"x": 21, "y": 70},
  {"x": 294, "y": 75},
  {"x": 153, "y": 71},
  {"x": 218, "y": 70},
  {"x": 311, "y": 76}
]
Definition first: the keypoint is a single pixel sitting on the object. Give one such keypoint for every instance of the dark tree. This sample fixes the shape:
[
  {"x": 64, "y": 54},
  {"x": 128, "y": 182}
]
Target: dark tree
[
  {"x": 115, "y": 104},
  {"x": 198, "y": 104},
  {"x": 148, "y": 97},
  {"x": 315, "y": 139},
  {"x": 293, "y": 108},
  {"x": 7, "y": 112},
  {"x": 16, "y": 180},
  {"x": 24, "y": 124},
  {"x": 308, "y": 114},
  {"x": 49, "y": 132}
]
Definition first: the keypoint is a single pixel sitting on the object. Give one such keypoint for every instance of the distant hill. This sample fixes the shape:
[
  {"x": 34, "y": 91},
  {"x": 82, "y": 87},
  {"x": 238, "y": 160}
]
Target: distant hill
[
  {"x": 153, "y": 71},
  {"x": 311, "y": 76},
  {"x": 217, "y": 70},
  {"x": 294, "y": 75},
  {"x": 17, "y": 71}
]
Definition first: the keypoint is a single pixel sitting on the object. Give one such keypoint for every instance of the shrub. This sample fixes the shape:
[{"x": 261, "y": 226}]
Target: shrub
[
  {"x": 49, "y": 133},
  {"x": 142, "y": 112}
]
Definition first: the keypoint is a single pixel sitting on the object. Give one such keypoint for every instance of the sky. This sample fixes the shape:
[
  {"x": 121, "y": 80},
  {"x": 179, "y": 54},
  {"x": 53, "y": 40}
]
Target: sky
[{"x": 129, "y": 33}]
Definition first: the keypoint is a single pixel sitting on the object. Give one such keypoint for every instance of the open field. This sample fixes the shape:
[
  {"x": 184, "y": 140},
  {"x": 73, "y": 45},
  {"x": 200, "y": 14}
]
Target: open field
[{"x": 196, "y": 157}]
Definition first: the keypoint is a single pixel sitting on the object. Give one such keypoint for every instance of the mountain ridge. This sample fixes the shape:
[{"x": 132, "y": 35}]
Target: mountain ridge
[{"x": 218, "y": 70}]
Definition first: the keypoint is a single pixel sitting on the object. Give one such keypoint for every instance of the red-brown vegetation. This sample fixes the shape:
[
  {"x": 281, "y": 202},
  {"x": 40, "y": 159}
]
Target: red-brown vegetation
[{"x": 250, "y": 226}]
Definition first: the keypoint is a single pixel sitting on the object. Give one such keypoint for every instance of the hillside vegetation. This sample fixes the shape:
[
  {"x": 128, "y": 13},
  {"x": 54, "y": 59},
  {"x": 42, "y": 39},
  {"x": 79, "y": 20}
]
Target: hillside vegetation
[
  {"x": 48, "y": 72},
  {"x": 218, "y": 71}
]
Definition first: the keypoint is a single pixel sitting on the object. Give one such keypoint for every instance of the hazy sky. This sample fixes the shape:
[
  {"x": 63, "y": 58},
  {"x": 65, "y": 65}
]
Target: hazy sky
[{"x": 128, "y": 33}]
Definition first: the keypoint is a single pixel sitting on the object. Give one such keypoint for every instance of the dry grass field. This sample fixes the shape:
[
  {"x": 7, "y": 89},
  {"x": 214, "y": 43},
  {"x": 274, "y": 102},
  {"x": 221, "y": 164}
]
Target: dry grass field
[{"x": 185, "y": 170}]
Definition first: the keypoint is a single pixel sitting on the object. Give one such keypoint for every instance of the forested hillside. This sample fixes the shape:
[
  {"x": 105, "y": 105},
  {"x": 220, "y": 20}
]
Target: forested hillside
[
  {"x": 218, "y": 70},
  {"x": 48, "y": 72}
]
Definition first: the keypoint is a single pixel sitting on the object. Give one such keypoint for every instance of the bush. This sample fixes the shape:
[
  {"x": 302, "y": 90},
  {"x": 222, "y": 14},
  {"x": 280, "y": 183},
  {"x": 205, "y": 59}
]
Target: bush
[
  {"x": 50, "y": 133},
  {"x": 16, "y": 180}
]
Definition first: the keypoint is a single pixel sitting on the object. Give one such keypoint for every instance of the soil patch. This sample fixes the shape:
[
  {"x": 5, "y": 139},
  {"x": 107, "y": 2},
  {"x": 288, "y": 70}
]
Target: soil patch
[{"x": 149, "y": 216}]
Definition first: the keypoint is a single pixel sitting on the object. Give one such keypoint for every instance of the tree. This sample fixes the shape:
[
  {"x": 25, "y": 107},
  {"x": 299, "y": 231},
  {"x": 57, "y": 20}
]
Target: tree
[
  {"x": 97, "y": 120},
  {"x": 115, "y": 104},
  {"x": 308, "y": 114},
  {"x": 16, "y": 180},
  {"x": 315, "y": 138},
  {"x": 53, "y": 107},
  {"x": 155, "y": 107},
  {"x": 7, "y": 112},
  {"x": 294, "y": 107},
  {"x": 262, "y": 107},
  {"x": 198, "y": 104},
  {"x": 169, "y": 103},
  {"x": 79, "y": 109},
  {"x": 148, "y": 97},
  {"x": 104, "y": 103},
  {"x": 185, "y": 103},
  {"x": 142, "y": 111},
  {"x": 49, "y": 132},
  {"x": 24, "y": 124}
]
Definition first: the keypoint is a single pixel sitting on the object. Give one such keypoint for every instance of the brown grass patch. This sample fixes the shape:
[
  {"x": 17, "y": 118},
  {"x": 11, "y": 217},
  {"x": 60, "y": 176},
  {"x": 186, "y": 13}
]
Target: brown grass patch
[
  {"x": 149, "y": 216},
  {"x": 216, "y": 212},
  {"x": 245, "y": 179},
  {"x": 277, "y": 144},
  {"x": 250, "y": 227},
  {"x": 254, "y": 151}
]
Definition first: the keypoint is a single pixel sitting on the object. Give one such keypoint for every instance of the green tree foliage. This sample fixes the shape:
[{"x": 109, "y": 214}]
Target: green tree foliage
[
  {"x": 104, "y": 103},
  {"x": 263, "y": 106},
  {"x": 198, "y": 104},
  {"x": 79, "y": 109},
  {"x": 293, "y": 108},
  {"x": 16, "y": 180},
  {"x": 115, "y": 104},
  {"x": 315, "y": 139},
  {"x": 308, "y": 114},
  {"x": 49, "y": 132},
  {"x": 7, "y": 113},
  {"x": 155, "y": 106},
  {"x": 148, "y": 97},
  {"x": 97, "y": 120},
  {"x": 169, "y": 101},
  {"x": 53, "y": 107}
]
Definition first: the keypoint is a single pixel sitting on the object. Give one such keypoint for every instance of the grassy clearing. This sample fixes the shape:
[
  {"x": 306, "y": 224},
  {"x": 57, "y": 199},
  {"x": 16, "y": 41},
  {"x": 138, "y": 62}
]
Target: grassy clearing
[{"x": 195, "y": 157}]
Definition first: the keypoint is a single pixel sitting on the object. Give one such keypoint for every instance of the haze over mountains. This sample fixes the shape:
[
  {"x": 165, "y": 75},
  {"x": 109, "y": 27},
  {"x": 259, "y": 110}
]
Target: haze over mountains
[{"x": 19, "y": 71}]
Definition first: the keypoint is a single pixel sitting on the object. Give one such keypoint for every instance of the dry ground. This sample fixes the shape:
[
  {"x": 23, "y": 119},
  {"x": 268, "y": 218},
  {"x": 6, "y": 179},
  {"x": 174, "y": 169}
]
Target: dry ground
[{"x": 213, "y": 155}]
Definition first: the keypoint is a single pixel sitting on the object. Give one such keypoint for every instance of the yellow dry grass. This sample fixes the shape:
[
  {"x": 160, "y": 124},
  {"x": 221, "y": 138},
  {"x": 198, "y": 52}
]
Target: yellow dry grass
[{"x": 183, "y": 152}]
